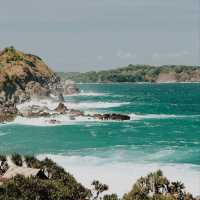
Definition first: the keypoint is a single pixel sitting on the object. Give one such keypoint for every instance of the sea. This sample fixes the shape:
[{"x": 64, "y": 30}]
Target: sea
[{"x": 163, "y": 133}]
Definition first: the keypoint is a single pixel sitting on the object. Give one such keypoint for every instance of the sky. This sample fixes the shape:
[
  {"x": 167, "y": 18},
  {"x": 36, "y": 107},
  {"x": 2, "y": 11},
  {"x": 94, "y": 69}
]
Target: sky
[{"x": 84, "y": 35}]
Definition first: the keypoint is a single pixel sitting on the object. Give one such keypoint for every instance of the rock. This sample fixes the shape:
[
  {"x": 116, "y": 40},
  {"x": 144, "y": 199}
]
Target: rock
[
  {"x": 35, "y": 111},
  {"x": 8, "y": 112},
  {"x": 61, "y": 108},
  {"x": 35, "y": 90},
  {"x": 53, "y": 121},
  {"x": 70, "y": 88},
  {"x": 76, "y": 113},
  {"x": 24, "y": 76},
  {"x": 111, "y": 117}
]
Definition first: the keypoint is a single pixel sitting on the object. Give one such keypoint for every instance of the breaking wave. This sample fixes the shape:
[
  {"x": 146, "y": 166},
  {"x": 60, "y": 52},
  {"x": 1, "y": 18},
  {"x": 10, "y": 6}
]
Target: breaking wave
[{"x": 125, "y": 173}]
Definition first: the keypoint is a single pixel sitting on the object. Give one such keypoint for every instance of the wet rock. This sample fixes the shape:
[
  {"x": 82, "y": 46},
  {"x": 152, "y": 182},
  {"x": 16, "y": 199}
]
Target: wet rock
[
  {"x": 53, "y": 121},
  {"x": 76, "y": 113},
  {"x": 61, "y": 108},
  {"x": 35, "y": 111},
  {"x": 112, "y": 117}
]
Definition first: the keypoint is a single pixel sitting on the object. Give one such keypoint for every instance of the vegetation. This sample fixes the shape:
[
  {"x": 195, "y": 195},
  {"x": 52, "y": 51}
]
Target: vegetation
[
  {"x": 155, "y": 186},
  {"x": 138, "y": 73},
  {"x": 61, "y": 185},
  {"x": 17, "y": 159}
]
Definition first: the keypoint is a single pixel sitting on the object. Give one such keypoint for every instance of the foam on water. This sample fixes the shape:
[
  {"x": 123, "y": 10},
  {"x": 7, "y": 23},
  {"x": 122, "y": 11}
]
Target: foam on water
[
  {"x": 88, "y": 93},
  {"x": 158, "y": 116},
  {"x": 78, "y": 105},
  {"x": 120, "y": 176},
  {"x": 46, "y": 121}
]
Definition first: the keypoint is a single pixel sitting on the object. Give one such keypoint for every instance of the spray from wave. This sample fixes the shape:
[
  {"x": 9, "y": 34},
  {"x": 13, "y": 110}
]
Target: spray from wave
[{"x": 120, "y": 176}]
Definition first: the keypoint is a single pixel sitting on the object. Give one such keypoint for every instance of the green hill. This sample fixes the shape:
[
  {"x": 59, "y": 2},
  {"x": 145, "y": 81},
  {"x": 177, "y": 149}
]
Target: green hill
[{"x": 138, "y": 73}]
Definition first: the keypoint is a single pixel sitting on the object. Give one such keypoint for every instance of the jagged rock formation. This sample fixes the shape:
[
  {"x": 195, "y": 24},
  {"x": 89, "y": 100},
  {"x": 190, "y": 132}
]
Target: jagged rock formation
[
  {"x": 25, "y": 76},
  {"x": 8, "y": 112}
]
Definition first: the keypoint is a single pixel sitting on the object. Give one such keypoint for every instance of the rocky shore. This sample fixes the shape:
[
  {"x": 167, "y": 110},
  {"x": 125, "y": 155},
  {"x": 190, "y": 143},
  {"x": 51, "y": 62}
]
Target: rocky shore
[{"x": 24, "y": 77}]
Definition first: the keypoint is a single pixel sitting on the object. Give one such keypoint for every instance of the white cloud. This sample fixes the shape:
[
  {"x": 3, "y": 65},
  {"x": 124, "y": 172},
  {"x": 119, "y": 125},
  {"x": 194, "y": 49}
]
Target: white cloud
[{"x": 125, "y": 55}]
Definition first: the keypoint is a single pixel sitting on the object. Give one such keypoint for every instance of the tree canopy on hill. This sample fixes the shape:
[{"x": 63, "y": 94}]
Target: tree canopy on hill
[{"x": 138, "y": 73}]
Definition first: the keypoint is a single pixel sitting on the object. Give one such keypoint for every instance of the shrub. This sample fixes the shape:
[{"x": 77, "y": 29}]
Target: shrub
[{"x": 17, "y": 159}]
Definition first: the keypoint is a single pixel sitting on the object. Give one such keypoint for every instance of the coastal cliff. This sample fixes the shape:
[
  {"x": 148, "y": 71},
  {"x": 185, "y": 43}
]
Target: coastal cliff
[{"x": 23, "y": 76}]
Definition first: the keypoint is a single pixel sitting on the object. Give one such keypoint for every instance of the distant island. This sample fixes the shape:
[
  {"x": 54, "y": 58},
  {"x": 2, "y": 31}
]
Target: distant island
[{"x": 138, "y": 73}]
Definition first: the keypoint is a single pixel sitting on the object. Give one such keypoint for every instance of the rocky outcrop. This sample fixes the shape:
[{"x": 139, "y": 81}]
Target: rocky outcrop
[
  {"x": 8, "y": 112},
  {"x": 69, "y": 88},
  {"x": 35, "y": 111},
  {"x": 25, "y": 76},
  {"x": 113, "y": 116},
  {"x": 43, "y": 111},
  {"x": 61, "y": 108}
]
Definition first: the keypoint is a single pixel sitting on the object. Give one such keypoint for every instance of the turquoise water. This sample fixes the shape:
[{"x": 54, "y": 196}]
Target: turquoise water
[{"x": 165, "y": 128}]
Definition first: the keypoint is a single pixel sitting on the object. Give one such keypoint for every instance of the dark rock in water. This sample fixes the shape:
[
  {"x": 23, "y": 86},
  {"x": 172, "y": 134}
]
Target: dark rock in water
[
  {"x": 53, "y": 121},
  {"x": 111, "y": 117},
  {"x": 61, "y": 108},
  {"x": 8, "y": 112}
]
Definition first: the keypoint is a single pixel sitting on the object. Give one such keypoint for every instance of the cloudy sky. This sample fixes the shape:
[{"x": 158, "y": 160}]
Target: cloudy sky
[{"x": 82, "y": 35}]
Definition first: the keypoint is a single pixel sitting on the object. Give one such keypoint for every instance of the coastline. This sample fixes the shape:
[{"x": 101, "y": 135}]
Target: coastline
[{"x": 150, "y": 83}]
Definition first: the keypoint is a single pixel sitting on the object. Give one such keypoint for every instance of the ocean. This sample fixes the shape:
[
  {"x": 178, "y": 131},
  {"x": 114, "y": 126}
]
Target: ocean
[{"x": 163, "y": 133}]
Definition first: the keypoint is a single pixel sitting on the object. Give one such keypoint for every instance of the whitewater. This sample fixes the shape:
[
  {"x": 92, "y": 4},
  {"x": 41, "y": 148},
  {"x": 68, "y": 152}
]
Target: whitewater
[{"x": 163, "y": 133}]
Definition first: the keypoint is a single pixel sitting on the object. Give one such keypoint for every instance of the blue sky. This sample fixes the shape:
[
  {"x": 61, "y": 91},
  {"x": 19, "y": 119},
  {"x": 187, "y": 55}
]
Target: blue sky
[{"x": 82, "y": 35}]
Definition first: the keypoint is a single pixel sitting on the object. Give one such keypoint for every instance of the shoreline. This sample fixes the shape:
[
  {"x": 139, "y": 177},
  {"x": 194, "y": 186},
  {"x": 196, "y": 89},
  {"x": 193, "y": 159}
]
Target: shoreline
[{"x": 147, "y": 83}]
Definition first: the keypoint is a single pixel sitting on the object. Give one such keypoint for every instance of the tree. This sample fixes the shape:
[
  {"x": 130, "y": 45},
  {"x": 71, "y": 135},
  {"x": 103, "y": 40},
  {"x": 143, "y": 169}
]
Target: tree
[{"x": 98, "y": 189}]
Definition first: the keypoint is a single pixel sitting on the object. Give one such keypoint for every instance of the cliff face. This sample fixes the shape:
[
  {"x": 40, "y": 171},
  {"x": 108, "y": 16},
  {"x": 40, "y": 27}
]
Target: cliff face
[{"x": 23, "y": 76}]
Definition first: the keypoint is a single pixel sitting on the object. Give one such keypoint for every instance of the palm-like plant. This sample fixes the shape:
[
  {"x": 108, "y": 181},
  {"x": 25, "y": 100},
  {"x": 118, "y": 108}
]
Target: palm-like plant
[{"x": 98, "y": 188}]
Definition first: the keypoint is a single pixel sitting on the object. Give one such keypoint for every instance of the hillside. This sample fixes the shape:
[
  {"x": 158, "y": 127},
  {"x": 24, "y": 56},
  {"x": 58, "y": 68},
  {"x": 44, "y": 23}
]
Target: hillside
[
  {"x": 23, "y": 76},
  {"x": 138, "y": 73}
]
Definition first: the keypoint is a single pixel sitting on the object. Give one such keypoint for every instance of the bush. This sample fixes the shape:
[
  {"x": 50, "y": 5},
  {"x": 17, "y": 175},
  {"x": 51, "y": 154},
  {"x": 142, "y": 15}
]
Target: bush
[
  {"x": 3, "y": 158},
  {"x": 17, "y": 159}
]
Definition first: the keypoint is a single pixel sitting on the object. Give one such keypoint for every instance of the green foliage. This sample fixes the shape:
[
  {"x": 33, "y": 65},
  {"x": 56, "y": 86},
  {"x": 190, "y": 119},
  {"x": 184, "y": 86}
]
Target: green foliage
[
  {"x": 10, "y": 55},
  {"x": 60, "y": 185},
  {"x": 32, "y": 162},
  {"x": 98, "y": 188},
  {"x": 110, "y": 197},
  {"x": 3, "y": 158},
  {"x": 157, "y": 187},
  {"x": 133, "y": 73},
  {"x": 17, "y": 159},
  {"x": 34, "y": 188}
]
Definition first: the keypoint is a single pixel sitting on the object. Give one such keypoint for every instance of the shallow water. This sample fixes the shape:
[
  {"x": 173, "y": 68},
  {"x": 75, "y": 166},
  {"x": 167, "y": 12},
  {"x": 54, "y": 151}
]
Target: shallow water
[{"x": 164, "y": 132}]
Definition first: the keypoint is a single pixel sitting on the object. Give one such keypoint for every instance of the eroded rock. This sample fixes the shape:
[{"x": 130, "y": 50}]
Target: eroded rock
[{"x": 8, "y": 112}]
